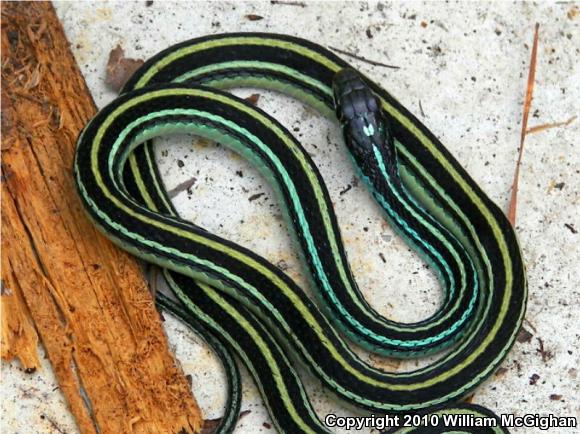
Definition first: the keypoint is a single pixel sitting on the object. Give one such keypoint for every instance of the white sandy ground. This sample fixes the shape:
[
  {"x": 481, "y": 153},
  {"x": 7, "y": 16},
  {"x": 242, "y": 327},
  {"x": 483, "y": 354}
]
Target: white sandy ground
[{"x": 463, "y": 69}]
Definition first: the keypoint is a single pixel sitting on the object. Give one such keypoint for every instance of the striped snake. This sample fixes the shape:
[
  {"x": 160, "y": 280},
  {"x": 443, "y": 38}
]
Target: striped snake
[{"x": 247, "y": 305}]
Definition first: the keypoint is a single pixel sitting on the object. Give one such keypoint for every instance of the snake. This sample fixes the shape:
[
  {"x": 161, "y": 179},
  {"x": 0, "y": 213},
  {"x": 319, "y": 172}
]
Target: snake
[{"x": 248, "y": 304}]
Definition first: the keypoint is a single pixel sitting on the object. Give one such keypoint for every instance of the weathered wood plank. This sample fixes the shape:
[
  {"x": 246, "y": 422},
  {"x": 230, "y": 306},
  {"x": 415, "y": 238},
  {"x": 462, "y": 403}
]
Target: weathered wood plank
[{"x": 88, "y": 299}]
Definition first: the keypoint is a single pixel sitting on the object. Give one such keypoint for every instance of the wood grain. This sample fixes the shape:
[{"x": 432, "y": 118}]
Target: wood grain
[{"x": 88, "y": 300}]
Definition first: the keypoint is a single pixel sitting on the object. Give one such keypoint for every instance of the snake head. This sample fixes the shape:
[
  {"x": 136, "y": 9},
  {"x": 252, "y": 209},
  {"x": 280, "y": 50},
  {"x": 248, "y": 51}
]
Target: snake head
[{"x": 363, "y": 124}]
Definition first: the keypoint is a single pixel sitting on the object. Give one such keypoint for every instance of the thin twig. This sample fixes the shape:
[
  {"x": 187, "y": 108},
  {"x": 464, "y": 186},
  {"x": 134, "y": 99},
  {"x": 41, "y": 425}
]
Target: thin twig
[
  {"x": 421, "y": 109},
  {"x": 288, "y": 3},
  {"x": 543, "y": 127},
  {"x": 363, "y": 59},
  {"x": 527, "y": 105},
  {"x": 186, "y": 185}
]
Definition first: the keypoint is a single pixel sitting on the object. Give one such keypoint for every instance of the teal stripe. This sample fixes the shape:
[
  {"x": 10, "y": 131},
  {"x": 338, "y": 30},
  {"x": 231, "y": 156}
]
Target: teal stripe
[
  {"x": 223, "y": 67},
  {"x": 434, "y": 231},
  {"x": 201, "y": 129}
]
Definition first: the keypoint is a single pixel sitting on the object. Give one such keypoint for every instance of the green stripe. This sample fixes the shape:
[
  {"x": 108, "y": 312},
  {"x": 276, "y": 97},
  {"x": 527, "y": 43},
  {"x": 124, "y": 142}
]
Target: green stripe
[{"x": 416, "y": 179}]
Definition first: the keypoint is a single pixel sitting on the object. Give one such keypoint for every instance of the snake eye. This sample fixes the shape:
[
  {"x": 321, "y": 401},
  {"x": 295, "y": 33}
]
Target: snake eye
[
  {"x": 373, "y": 103},
  {"x": 344, "y": 86}
]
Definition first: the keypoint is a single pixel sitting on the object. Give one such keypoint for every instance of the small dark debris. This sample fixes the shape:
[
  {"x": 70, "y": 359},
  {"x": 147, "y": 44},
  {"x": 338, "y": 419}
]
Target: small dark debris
[
  {"x": 421, "y": 109},
  {"x": 266, "y": 425},
  {"x": 120, "y": 68},
  {"x": 440, "y": 25},
  {"x": 435, "y": 50},
  {"x": 348, "y": 187},
  {"x": 497, "y": 32},
  {"x": 186, "y": 185},
  {"x": 244, "y": 413},
  {"x": 382, "y": 258},
  {"x": 30, "y": 370},
  {"x": 423, "y": 24},
  {"x": 369, "y": 33},
  {"x": 555, "y": 397},
  {"x": 210, "y": 425},
  {"x": 530, "y": 324},
  {"x": 55, "y": 426},
  {"x": 546, "y": 354},
  {"x": 253, "y": 17},
  {"x": 180, "y": 163},
  {"x": 240, "y": 173},
  {"x": 571, "y": 227},
  {"x": 288, "y": 3},
  {"x": 524, "y": 336},
  {"x": 253, "y": 98},
  {"x": 559, "y": 185},
  {"x": 149, "y": 3},
  {"x": 500, "y": 371},
  {"x": 468, "y": 399},
  {"x": 363, "y": 59},
  {"x": 534, "y": 379},
  {"x": 255, "y": 196}
]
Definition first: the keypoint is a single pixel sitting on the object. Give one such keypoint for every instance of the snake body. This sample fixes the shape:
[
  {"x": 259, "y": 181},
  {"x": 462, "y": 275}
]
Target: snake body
[{"x": 249, "y": 304}]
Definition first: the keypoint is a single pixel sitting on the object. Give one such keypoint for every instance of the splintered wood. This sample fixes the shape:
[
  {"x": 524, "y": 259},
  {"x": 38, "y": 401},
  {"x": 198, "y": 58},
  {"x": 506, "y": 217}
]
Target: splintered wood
[{"x": 87, "y": 299}]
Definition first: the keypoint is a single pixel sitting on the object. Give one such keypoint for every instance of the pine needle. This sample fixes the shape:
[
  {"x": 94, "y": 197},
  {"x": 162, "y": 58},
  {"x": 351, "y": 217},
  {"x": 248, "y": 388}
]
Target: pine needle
[
  {"x": 527, "y": 105},
  {"x": 543, "y": 127}
]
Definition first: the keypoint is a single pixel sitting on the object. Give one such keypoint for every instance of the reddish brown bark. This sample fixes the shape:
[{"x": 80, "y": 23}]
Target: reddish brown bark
[{"x": 87, "y": 299}]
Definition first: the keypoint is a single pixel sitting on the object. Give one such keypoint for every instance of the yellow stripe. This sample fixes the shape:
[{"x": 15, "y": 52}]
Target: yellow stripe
[
  {"x": 265, "y": 350},
  {"x": 245, "y": 40},
  {"x": 202, "y": 240},
  {"x": 274, "y": 278},
  {"x": 287, "y": 45},
  {"x": 476, "y": 200},
  {"x": 140, "y": 185}
]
